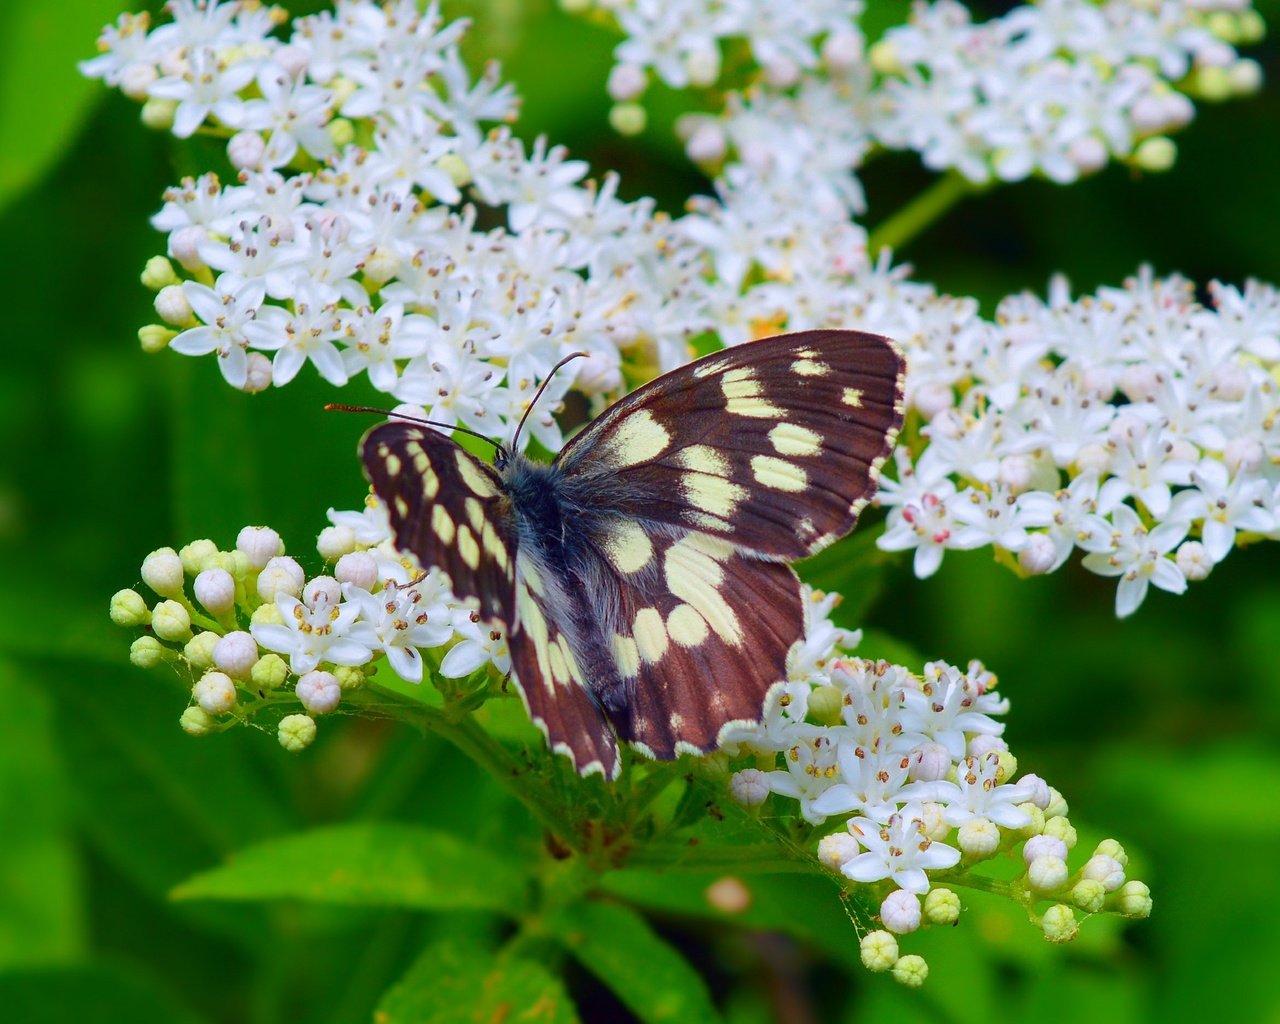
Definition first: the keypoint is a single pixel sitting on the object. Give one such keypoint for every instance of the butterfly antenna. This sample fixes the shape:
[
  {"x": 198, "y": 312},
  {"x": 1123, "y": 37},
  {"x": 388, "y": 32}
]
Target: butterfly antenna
[
  {"x": 515, "y": 441},
  {"x": 339, "y": 407}
]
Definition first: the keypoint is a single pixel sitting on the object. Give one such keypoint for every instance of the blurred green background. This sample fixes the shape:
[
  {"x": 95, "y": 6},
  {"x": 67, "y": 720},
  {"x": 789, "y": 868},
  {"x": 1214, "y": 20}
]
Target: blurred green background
[{"x": 1161, "y": 730}]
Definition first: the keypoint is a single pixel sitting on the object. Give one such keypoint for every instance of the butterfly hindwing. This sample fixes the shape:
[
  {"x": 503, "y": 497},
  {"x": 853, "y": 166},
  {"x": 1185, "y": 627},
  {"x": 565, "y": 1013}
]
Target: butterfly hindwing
[
  {"x": 447, "y": 508},
  {"x": 774, "y": 445}
]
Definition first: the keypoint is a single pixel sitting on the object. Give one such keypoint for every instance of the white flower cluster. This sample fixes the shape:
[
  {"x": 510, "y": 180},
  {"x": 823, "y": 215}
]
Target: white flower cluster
[
  {"x": 1057, "y": 88},
  {"x": 1134, "y": 424},
  {"x": 917, "y": 769},
  {"x": 346, "y": 241},
  {"x": 257, "y": 621}
]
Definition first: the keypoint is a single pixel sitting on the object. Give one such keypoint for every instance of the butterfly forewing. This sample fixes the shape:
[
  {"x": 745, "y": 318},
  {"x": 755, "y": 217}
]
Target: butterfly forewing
[
  {"x": 774, "y": 446},
  {"x": 448, "y": 509}
]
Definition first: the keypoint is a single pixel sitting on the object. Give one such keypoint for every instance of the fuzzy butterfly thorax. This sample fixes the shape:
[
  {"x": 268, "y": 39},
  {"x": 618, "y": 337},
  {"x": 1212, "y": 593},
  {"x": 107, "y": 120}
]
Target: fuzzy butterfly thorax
[{"x": 641, "y": 577}]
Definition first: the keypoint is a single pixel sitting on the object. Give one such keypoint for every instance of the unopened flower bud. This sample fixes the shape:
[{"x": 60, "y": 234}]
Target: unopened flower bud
[
  {"x": 382, "y": 264},
  {"x": 1057, "y": 806},
  {"x": 296, "y": 732},
  {"x": 1035, "y": 820},
  {"x": 147, "y": 652},
  {"x": 216, "y": 590},
  {"x": 929, "y": 763},
  {"x": 900, "y": 912},
  {"x": 341, "y": 132},
  {"x": 350, "y": 677},
  {"x": 170, "y": 621},
  {"x": 259, "y": 544},
  {"x": 257, "y": 376},
  {"x": 1088, "y": 153},
  {"x": 1088, "y": 895},
  {"x": 825, "y": 705},
  {"x": 281, "y": 575},
  {"x": 153, "y": 338},
  {"x": 933, "y": 820},
  {"x": 172, "y": 306},
  {"x": 196, "y": 721},
  {"x": 628, "y": 118},
  {"x": 911, "y": 970},
  {"x": 626, "y": 82},
  {"x": 932, "y": 399},
  {"x": 1059, "y": 923},
  {"x": 984, "y": 743},
  {"x": 884, "y": 58},
  {"x": 157, "y": 114},
  {"x": 322, "y": 590},
  {"x": 335, "y": 541},
  {"x": 358, "y": 568},
  {"x": 1093, "y": 458},
  {"x": 128, "y": 609},
  {"x": 1105, "y": 870},
  {"x": 1243, "y": 455},
  {"x": 136, "y": 80},
  {"x": 1193, "y": 560},
  {"x": 1113, "y": 849},
  {"x": 729, "y": 895},
  {"x": 707, "y": 143},
  {"x": 158, "y": 273},
  {"x": 781, "y": 72},
  {"x": 268, "y": 672},
  {"x": 842, "y": 50},
  {"x": 978, "y": 837},
  {"x": 199, "y": 649},
  {"x": 1062, "y": 828},
  {"x": 837, "y": 849},
  {"x": 1044, "y": 846},
  {"x": 879, "y": 950},
  {"x": 184, "y": 246},
  {"x": 703, "y": 66},
  {"x": 941, "y": 906},
  {"x": 319, "y": 692},
  {"x": 162, "y": 572},
  {"x": 1133, "y": 900},
  {"x": 1156, "y": 154},
  {"x": 197, "y": 556},
  {"x": 245, "y": 150},
  {"x": 215, "y": 693},
  {"x": 1047, "y": 874},
  {"x": 236, "y": 654},
  {"x": 749, "y": 787},
  {"x": 1038, "y": 555}
]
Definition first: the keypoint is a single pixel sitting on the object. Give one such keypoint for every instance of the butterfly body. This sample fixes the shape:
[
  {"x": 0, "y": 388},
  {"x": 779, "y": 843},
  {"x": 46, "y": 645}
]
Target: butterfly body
[{"x": 641, "y": 577}]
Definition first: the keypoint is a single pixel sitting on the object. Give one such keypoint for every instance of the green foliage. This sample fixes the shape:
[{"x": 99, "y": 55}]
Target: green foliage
[{"x": 380, "y": 872}]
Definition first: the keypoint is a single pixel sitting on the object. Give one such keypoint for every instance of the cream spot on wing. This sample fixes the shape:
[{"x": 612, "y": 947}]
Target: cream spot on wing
[
  {"x": 468, "y": 548},
  {"x": 535, "y": 625},
  {"x": 442, "y": 524},
  {"x": 805, "y": 529},
  {"x": 753, "y": 408},
  {"x": 392, "y": 463},
  {"x": 570, "y": 662},
  {"x": 710, "y": 368},
  {"x": 402, "y": 507},
  {"x": 708, "y": 522},
  {"x": 555, "y": 655},
  {"x": 852, "y": 397},
  {"x": 627, "y": 547},
  {"x": 475, "y": 514},
  {"x": 475, "y": 480},
  {"x": 810, "y": 368},
  {"x": 422, "y": 465},
  {"x": 712, "y": 494},
  {"x": 677, "y": 722},
  {"x": 693, "y": 574},
  {"x": 686, "y": 626},
  {"x": 740, "y": 383},
  {"x": 650, "y": 634},
  {"x": 626, "y": 656},
  {"x": 793, "y": 439},
  {"x": 702, "y": 458},
  {"x": 638, "y": 437},
  {"x": 533, "y": 578},
  {"x": 778, "y": 473},
  {"x": 492, "y": 543},
  {"x": 806, "y": 353},
  {"x": 720, "y": 550}
]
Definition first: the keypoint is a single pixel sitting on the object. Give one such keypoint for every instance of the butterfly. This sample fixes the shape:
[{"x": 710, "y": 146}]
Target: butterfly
[{"x": 641, "y": 577}]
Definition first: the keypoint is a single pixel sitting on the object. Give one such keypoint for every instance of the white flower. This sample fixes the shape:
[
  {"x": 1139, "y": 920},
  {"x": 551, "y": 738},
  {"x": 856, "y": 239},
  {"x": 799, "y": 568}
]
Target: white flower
[
  {"x": 234, "y": 318},
  {"x": 404, "y": 620},
  {"x": 898, "y": 851},
  {"x": 811, "y": 771},
  {"x": 208, "y": 87},
  {"x": 976, "y": 794},
  {"x": 1137, "y": 556},
  {"x": 309, "y": 636},
  {"x": 480, "y": 645}
]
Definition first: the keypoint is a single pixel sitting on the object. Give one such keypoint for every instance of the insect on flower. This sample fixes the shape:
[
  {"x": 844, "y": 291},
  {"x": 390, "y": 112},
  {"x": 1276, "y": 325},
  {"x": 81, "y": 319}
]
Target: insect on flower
[{"x": 642, "y": 576}]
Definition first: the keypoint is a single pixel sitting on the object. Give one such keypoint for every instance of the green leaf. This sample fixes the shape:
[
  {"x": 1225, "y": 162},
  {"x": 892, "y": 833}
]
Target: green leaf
[
  {"x": 619, "y": 947},
  {"x": 43, "y": 98},
  {"x": 378, "y": 864},
  {"x": 103, "y": 995},
  {"x": 455, "y": 982}
]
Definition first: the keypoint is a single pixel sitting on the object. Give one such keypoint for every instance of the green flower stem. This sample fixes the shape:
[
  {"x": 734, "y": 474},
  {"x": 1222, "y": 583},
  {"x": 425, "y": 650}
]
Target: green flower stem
[
  {"x": 922, "y": 211},
  {"x": 1013, "y": 890},
  {"x": 763, "y": 858}
]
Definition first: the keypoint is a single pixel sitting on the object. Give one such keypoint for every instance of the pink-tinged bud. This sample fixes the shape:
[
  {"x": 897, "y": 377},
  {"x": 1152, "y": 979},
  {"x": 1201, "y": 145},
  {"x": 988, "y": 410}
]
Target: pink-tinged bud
[
  {"x": 216, "y": 590},
  {"x": 900, "y": 912},
  {"x": 215, "y": 693},
  {"x": 259, "y": 544},
  {"x": 236, "y": 654},
  {"x": 749, "y": 787},
  {"x": 358, "y": 568},
  {"x": 319, "y": 692}
]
